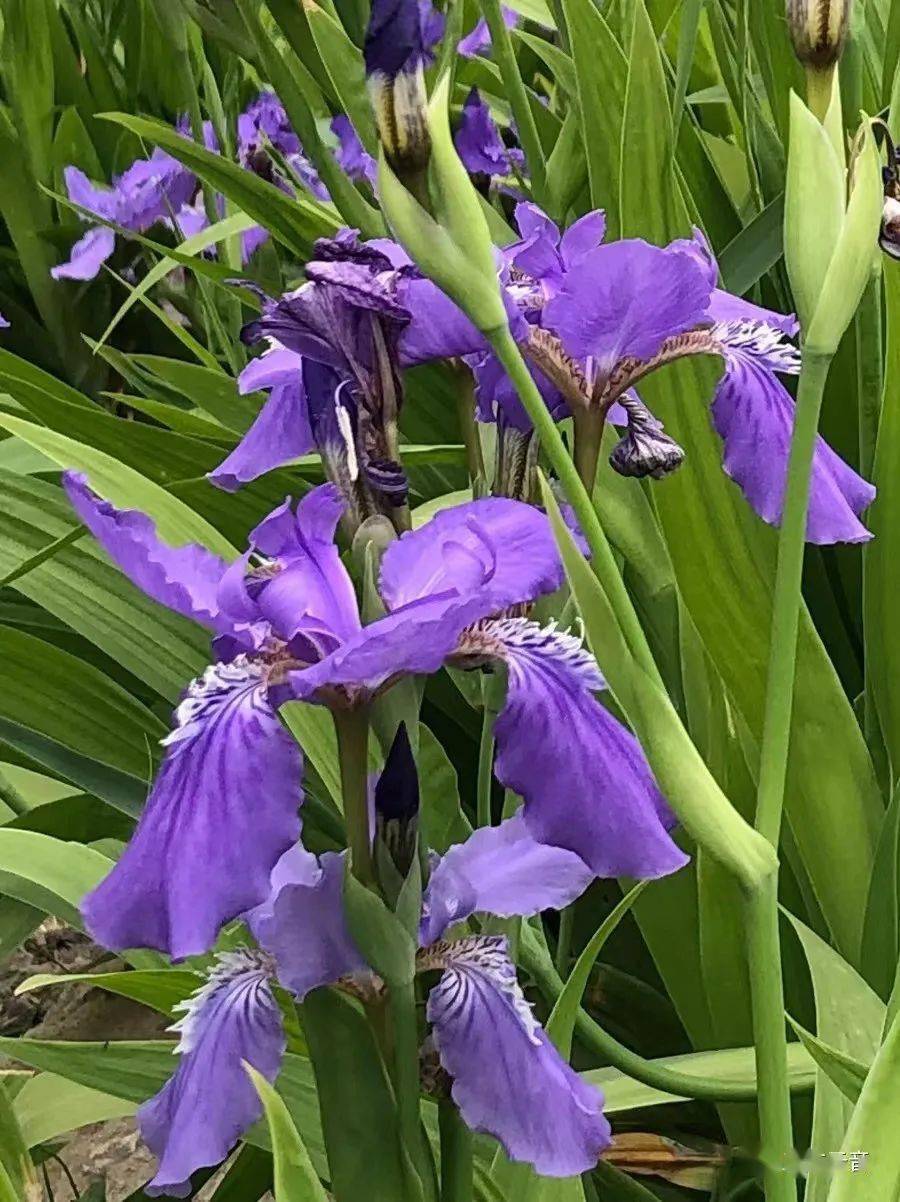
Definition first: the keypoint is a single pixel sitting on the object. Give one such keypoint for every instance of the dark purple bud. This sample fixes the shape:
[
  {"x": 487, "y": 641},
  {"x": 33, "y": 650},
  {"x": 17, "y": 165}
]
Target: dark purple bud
[
  {"x": 393, "y": 38},
  {"x": 397, "y": 802},
  {"x": 645, "y": 449}
]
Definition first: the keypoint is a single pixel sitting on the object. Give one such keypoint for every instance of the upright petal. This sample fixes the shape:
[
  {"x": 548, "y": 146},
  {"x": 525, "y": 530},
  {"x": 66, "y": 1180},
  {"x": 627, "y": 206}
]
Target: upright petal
[
  {"x": 625, "y": 298},
  {"x": 100, "y": 201},
  {"x": 500, "y": 870},
  {"x": 302, "y": 925},
  {"x": 584, "y": 779},
  {"x": 185, "y": 579},
  {"x": 87, "y": 256},
  {"x": 508, "y": 1079},
  {"x": 501, "y": 548},
  {"x": 754, "y": 414},
  {"x": 222, "y": 811},
  {"x": 280, "y": 433},
  {"x": 478, "y": 141},
  {"x": 478, "y": 39},
  {"x": 210, "y": 1102}
]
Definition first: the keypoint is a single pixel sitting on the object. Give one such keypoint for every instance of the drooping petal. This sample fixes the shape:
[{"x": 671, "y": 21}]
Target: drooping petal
[
  {"x": 312, "y": 588},
  {"x": 210, "y": 1102},
  {"x": 185, "y": 578},
  {"x": 87, "y": 256},
  {"x": 303, "y": 926},
  {"x": 583, "y": 777},
  {"x": 221, "y": 812},
  {"x": 280, "y": 433},
  {"x": 501, "y": 548},
  {"x": 508, "y": 1079},
  {"x": 754, "y": 415},
  {"x": 274, "y": 368},
  {"x": 625, "y": 298},
  {"x": 501, "y": 870},
  {"x": 478, "y": 141},
  {"x": 351, "y": 155}
]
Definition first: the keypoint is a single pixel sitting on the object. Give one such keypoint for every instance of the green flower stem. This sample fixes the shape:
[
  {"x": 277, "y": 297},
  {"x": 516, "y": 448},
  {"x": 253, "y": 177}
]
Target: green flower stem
[
  {"x": 485, "y": 767},
  {"x": 564, "y": 941},
  {"x": 763, "y": 942},
  {"x": 869, "y": 371},
  {"x": 404, "y": 1027},
  {"x": 602, "y": 560},
  {"x": 505, "y": 58},
  {"x": 456, "y": 1155},
  {"x": 589, "y": 425},
  {"x": 537, "y": 962},
  {"x": 352, "y": 728},
  {"x": 11, "y": 796}
]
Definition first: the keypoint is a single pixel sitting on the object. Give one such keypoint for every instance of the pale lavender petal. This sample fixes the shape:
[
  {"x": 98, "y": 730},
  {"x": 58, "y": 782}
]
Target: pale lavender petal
[
  {"x": 626, "y": 298},
  {"x": 500, "y": 870},
  {"x": 508, "y": 1079},
  {"x": 495, "y": 546},
  {"x": 210, "y": 1102},
  {"x": 275, "y": 366},
  {"x": 222, "y": 811},
  {"x": 101, "y": 201},
  {"x": 437, "y": 329},
  {"x": 725, "y": 307},
  {"x": 251, "y": 241},
  {"x": 583, "y": 777},
  {"x": 191, "y": 219},
  {"x": 186, "y": 579},
  {"x": 478, "y": 40},
  {"x": 754, "y": 415},
  {"x": 4, "y": 324},
  {"x": 582, "y": 237},
  {"x": 303, "y": 926},
  {"x": 280, "y": 433},
  {"x": 87, "y": 256}
]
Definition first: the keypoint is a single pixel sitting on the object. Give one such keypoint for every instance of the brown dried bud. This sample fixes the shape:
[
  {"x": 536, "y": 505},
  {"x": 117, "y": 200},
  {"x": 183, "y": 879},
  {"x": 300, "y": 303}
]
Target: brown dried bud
[{"x": 818, "y": 30}]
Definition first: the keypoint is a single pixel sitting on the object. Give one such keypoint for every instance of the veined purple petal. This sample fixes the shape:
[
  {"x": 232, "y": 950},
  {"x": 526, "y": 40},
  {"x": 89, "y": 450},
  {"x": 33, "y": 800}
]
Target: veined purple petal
[
  {"x": 303, "y": 925},
  {"x": 625, "y": 298},
  {"x": 274, "y": 367},
  {"x": 87, "y": 256},
  {"x": 754, "y": 415},
  {"x": 185, "y": 579},
  {"x": 508, "y": 1079},
  {"x": 725, "y": 307},
  {"x": 210, "y": 1102},
  {"x": 583, "y": 777},
  {"x": 222, "y": 810},
  {"x": 582, "y": 237},
  {"x": 500, "y": 870},
  {"x": 501, "y": 548},
  {"x": 280, "y": 433}
]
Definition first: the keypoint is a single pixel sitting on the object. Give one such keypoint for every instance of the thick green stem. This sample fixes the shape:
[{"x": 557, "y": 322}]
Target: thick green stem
[
  {"x": 485, "y": 767},
  {"x": 404, "y": 1027},
  {"x": 763, "y": 942},
  {"x": 586, "y": 451},
  {"x": 564, "y": 941},
  {"x": 602, "y": 560},
  {"x": 11, "y": 795},
  {"x": 352, "y": 727},
  {"x": 456, "y": 1155},
  {"x": 465, "y": 402},
  {"x": 869, "y": 371}
]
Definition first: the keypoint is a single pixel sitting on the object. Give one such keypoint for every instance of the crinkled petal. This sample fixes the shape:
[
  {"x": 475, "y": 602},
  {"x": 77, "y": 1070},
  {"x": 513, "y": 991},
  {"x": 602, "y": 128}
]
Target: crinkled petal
[
  {"x": 87, "y": 256},
  {"x": 210, "y": 1102},
  {"x": 508, "y": 1079},
  {"x": 312, "y": 583},
  {"x": 583, "y": 777},
  {"x": 101, "y": 201},
  {"x": 502, "y": 548},
  {"x": 185, "y": 579},
  {"x": 754, "y": 415},
  {"x": 478, "y": 141},
  {"x": 280, "y": 433},
  {"x": 222, "y": 811},
  {"x": 500, "y": 870},
  {"x": 625, "y": 298},
  {"x": 303, "y": 924}
]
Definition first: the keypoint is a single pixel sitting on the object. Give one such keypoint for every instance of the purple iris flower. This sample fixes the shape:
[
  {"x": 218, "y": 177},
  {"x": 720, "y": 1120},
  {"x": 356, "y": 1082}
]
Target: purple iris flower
[
  {"x": 287, "y": 626},
  {"x": 478, "y": 40},
  {"x": 479, "y": 144},
  {"x": 506, "y": 1077},
  {"x": 352, "y": 156}
]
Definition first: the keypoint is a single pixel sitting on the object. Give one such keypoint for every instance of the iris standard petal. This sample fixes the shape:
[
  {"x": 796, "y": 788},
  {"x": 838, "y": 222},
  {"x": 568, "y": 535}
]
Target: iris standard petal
[
  {"x": 508, "y": 1079},
  {"x": 185, "y": 578},
  {"x": 223, "y": 809},
  {"x": 583, "y": 777},
  {"x": 503, "y": 548},
  {"x": 303, "y": 926},
  {"x": 501, "y": 870},
  {"x": 624, "y": 299},
  {"x": 201, "y": 1113}
]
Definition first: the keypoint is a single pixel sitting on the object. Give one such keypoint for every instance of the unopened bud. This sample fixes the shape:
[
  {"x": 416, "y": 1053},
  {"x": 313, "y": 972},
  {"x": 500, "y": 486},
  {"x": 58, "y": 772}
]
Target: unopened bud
[
  {"x": 645, "y": 449},
  {"x": 889, "y": 237},
  {"x": 394, "y": 56},
  {"x": 818, "y": 30}
]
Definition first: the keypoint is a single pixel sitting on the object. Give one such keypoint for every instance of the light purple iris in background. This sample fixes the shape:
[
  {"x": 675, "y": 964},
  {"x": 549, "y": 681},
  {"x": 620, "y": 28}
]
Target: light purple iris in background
[
  {"x": 507, "y": 1078},
  {"x": 287, "y": 626},
  {"x": 478, "y": 40},
  {"x": 351, "y": 155},
  {"x": 479, "y": 144}
]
